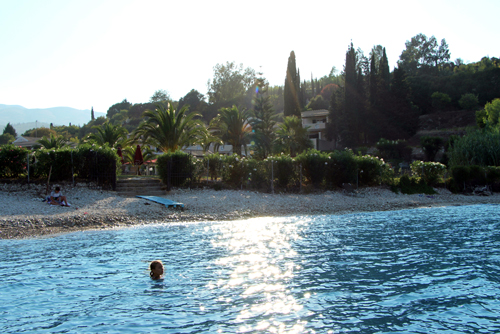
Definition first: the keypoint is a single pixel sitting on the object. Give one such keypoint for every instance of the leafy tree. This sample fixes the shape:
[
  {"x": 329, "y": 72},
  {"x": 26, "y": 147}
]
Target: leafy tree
[
  {"x": 263, "y": 120},
  {"x": 136, "y": 111},
  {"x": 292, "y": 138},
  {"x": 492, "y": 110},
  {"x": 170, "y": 130},
  {"x": 232, "y": 126},
  {"x": 229, "y": 84},
  {"x": 54, "y": 142},
  {"x": 195, "y": 100},
  {"x": 440, "y": 100},
  {"x": 422, "y": 53},
  {"x": 316, "y": 103},
  {"x": 10, "y": 130},
  {"x": 113, "y": 135},
  {"x": 160, "y": 95},
  {"x": 39, "y": 133},
  {"x": 6, "y": 138},
  {"x": 292, "y": 89},
  {"x": 117, "y": 107}
]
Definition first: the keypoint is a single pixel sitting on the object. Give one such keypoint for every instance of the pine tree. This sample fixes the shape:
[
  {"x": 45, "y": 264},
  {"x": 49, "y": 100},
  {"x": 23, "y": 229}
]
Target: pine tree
[
  {"x": 292, "y": 89},
  {"x": 92, "y": 114},
  {"x": 263, "y": 121}
]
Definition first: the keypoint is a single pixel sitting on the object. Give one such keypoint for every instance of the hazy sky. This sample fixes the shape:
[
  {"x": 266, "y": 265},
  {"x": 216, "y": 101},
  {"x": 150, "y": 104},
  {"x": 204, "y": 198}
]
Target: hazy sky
[{"x": 96, "y": 53}]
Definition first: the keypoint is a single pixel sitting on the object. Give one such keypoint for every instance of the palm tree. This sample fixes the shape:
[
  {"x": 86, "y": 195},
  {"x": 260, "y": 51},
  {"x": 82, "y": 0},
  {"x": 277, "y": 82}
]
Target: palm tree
[
  {"x": 114, "y": 135},
  {"x": 170, "y": 130},
  {"x": 292, "y": 137},
  {"x": 232, "y": 126},
  {"x": 54, "y": 142}
]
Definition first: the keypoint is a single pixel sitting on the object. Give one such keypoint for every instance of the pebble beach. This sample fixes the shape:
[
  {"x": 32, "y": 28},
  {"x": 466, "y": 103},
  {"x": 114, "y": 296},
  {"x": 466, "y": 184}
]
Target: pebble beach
[{"x": 24, "y": 214}]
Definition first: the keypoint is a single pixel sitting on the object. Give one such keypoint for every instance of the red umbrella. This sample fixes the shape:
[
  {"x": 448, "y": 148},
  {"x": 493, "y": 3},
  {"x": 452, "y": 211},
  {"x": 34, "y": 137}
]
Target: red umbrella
[
  {"x": 120, "y": 154},
  {"x": 138, "y": 160}
]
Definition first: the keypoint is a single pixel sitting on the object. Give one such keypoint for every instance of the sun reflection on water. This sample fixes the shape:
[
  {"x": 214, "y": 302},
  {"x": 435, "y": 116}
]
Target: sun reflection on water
[{"x": 257, "y": 271}]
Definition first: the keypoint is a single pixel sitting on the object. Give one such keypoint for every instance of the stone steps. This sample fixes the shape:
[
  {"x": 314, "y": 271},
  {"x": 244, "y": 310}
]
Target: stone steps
[{"x": 132, "y": 186}]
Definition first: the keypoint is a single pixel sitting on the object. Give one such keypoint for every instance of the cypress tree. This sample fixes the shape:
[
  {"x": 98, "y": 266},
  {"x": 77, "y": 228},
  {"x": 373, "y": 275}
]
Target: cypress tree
[
  {"x": 373, "y": 81},
  {"x": 384, "y": 71},
  {"x": 292, "y": 89},
  {"x": 350, "y": 127},
  {"x": 92, "y": 114}
]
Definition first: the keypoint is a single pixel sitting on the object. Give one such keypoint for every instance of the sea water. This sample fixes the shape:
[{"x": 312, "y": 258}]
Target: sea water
[{"x": 434, "y": 270}]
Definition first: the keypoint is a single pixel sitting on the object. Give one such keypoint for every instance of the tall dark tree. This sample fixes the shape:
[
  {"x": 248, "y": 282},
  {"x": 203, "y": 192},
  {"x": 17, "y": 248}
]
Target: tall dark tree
[
  {"x": 384, "y": 75},
  {"x": 10, "y": 130},
  {"x": 350, "y": 126},
  {"x": 336, "y": 115},
  {"x": 292, "y": 89},
  {"x": 92, "y": 114}
]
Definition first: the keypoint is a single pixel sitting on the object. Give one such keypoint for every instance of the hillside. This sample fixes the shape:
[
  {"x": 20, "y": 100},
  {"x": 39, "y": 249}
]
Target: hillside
[
  {"x": 18, "y": 116},
  {"x": 443, "y": 124}
]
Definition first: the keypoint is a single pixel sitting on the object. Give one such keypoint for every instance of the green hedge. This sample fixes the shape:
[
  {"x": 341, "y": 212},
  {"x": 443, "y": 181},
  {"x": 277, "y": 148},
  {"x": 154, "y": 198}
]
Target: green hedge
[
  {"x": 13, "y": 160},
  {"x": 464, "y": 177},
  {"x": 431, "y": 172},
  {"x": 176, "y": 168}
]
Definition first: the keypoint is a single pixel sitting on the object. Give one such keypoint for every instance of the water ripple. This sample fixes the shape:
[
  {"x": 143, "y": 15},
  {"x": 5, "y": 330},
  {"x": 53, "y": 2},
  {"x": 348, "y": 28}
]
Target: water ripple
[{"x": 423, "y": 271}]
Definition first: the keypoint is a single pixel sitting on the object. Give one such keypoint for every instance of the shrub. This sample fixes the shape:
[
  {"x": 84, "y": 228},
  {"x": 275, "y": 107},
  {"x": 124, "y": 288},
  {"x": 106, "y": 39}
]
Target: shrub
[
  {"x": 431, "y": 146},
  {"x": 393, "y": 149},
  {"x": 478, "y": 147},
  {"x": 284, "y": 170},
  {"x": 492, "y": 110},
  {"x": 256, "y": 175},
  {"x": 410, "y": 186},
  {"x": 175, "y": 168},
  {"x": 13, "y": 160},
  {"x": 314, "y": 164},
  {"x": 232, "y": 170},
  {"x": 214, "y": 163},
  {"x": 469, "y": 101},
  {"x": 440, "y": 100},
  {"x": 58, "y": 162},
  {"x": 430, "y": 172},
  {"x": 370, "y": 170},
  {"x": 341, "y": 168}
]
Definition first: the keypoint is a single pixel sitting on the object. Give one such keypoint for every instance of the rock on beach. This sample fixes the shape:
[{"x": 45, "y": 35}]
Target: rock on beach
[{"x": 23, "y": 213}]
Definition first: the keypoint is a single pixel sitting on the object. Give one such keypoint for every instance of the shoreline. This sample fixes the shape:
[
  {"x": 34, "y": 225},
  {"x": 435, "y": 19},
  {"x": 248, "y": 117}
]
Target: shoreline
[{"x": 24, "y": 215}]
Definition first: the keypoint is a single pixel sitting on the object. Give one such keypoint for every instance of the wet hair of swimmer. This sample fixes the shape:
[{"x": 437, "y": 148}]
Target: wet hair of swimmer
[{"x": 154, "y": 265}]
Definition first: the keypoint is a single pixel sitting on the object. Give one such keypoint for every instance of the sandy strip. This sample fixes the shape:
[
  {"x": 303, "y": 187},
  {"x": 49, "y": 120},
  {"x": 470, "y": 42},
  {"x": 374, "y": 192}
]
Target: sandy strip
[{"x": 23, "y": 214}]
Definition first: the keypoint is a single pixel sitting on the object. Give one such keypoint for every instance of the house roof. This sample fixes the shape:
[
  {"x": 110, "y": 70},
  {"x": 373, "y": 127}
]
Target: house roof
[
  {"x": 315, "y": 113},
  {"x": 24, "y": 141}
]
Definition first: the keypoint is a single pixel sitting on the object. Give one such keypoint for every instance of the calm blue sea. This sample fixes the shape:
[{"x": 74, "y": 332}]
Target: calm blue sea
[{"x": 411, "y": 271}]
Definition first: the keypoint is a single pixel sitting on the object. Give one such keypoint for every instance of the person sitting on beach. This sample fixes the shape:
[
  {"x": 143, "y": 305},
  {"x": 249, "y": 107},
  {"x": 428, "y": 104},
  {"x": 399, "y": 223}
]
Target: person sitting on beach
[
  {"x": 156, "y": 268},
  {"x": 57, "y": 198}
]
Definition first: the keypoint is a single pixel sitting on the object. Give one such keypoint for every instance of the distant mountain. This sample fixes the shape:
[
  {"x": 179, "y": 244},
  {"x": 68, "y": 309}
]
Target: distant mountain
[{"x": 23, "y": 119}]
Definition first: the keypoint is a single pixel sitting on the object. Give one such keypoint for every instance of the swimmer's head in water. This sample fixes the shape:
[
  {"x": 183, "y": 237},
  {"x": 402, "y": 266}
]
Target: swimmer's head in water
[{"x": 156, "y": 268}]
